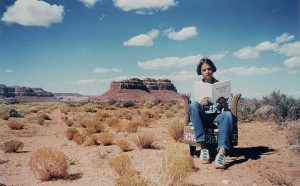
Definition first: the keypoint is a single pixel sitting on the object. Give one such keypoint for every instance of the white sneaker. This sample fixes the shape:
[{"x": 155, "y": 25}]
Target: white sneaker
[
  {"x": 220, "y": 161},
  {"x": 204, "y": 156}
]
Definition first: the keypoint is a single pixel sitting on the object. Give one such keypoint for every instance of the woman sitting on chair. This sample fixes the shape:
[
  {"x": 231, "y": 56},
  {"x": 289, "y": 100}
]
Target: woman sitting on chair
[{"x": 206, "y": 111}]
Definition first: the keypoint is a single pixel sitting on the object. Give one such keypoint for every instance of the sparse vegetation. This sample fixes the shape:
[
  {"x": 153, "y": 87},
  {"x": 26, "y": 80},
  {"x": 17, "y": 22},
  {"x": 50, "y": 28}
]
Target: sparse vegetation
[
  {"x": 129, "y": 179},
  {"x": 124, "y": 145},
  {"x": 175, "y": 167},
  {"x": 122, "y": 165},
  {"x": 70, "y": 133},
  {"x": 144, "y": 141},
  {"x": 176, "y": 130},
  {"x": 132, "y": 127},
  {"x": 47, "y": 163},
  {"x": 15, "y": 124},
  {"x": 11, "y": 146},
  {"x": 105, "y": 138}
]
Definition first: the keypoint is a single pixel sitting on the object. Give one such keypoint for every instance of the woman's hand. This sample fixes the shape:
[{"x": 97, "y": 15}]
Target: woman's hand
[{"x": 205, "y": 101}]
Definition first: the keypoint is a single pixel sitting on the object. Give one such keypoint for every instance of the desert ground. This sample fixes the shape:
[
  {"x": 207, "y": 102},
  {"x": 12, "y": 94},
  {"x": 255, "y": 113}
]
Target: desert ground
[{"x": 263, "y": 156}]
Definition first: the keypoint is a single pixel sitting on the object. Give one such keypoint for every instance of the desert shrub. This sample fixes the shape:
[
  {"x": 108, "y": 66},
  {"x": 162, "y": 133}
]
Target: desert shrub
[
  {"x": 40, "y": 121},
  {"x": 78, "y": 138},
  {"x": 105, "y": 138},
  {"x": 294, "y": 113},
  {"x": 89, "y": 141},
  {"x": 132, "y": 127},
  {"x": 15, "y": 125},
  {"x": 128, "y": 104},
  {"x": 95, "y": 125},
  {"x": 122, "y": 165},
  {"x": 169, "y": 114},
  {"x": 5, "y": 116},
  {"x": 175, "y": 167},
  {"x": 281, "y": 103},
  {"x": 70, "y": 133},
  {"x": 151, "y": 103},
  {"x": 247, "y": 109},
  {"x": 14, "y": 113},
  {"x": 128, "y": 179},
  {"x": 89, "y": 108},
  {"x": 45, "y": 116},
  {"x": 294, "y": 138},
  {"x": 113, "y": 121},
  {"x": 124, "y": 145},
  {"x": 265, "y": 112},
  {"x": 176, "y": 130},
  {"x": 147, "y": 114},
  {"x": 69, "y": 123},
  {"x": 47, "y": 163},
  {"x": 144, "y": 140},
  {"x": 11, "y": 146}
]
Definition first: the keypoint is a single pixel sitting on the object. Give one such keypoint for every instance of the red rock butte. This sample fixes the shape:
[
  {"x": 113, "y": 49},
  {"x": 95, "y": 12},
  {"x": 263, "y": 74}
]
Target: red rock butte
[{"x": 135, "y": 89}]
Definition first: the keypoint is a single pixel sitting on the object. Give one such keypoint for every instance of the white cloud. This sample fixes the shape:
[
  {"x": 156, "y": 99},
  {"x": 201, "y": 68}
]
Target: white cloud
[
  {"x": 290, "y": 49},
  {"x": 169, "y": 62},
  {"x": 116, "y": 70},
  {"x": 101, "y": 70},
  {"x": 33, "y": 13},
  {"x": 250, "y": 71},
  {"x": 86, "y": 82},
  {"x": 292, "y": 62},
  {"x": 144, "y": 6},
  {"x": 89, "y": 3},
  {"x": 285, "y": 37},
  {"x": 183, "y": 34},
  {"x": 246, "y": 53},
  {"x": 8, "y": 71},
  {"x": 266, "y": 45},
  {"x": 220, "y": 56},
  {"x": 143, "y": 39}
]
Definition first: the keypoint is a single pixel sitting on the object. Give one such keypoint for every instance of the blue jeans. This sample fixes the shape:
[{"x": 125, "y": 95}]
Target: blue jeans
[{"x": 223, "y": 120}]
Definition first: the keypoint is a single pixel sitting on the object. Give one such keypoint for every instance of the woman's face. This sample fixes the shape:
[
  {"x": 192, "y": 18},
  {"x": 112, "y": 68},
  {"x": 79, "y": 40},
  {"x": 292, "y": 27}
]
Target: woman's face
[{"x": 207, "y": 72}]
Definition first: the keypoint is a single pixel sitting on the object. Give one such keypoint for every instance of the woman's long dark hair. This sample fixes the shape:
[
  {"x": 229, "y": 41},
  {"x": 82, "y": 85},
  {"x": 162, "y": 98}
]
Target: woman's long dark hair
[{"x": 207, "y": 61}]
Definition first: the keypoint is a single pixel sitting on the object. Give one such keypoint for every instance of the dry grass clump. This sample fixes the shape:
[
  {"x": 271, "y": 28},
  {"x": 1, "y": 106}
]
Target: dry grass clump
[
  {"x": 79, "y": 138},
  {"x": 95, "y": 125},
  {"x": 69, "y": 123},
  {"x": 132, "y": 127},
  {"x": 15, "y": 125},
  {"x": 45, "y": 116},
  {"x": 122, "y": 165},
  {"x": 11, "y": 146},
  {"x": 105, "y": 138},
  {"x": 89, "y": 108},
  {"x": 5, "y": 116},
  {"x": 128, "y": 179},
  {"x": 169, "y": 114},
  {"x": 151, "y": 103},
  {"x": 47, "y": 163},
  {"x": 124, "y": 145},
  {"x": 176, "y": 130},
  {"x": 175, "y": 167},
  {"x": 113, "y": 121},
  {"x": 144, "y": 141},
  {"x": 40, "y": 121},
  {"x": 70, "y": 133}
]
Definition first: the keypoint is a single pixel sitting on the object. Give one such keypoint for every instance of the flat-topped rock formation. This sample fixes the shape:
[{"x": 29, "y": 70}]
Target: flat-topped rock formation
[
  {"x": 18, "y": 93},
  {"x": 140, "y": 90}
]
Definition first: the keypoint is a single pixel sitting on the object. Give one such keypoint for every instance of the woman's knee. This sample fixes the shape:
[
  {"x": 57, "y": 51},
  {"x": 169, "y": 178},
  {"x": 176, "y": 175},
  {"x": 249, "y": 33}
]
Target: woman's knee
[{"x": 195, "y": 106}]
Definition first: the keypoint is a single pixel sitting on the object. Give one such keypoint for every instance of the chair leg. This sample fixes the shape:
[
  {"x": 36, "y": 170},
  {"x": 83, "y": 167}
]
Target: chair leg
[{"x": 192, "y": 150}]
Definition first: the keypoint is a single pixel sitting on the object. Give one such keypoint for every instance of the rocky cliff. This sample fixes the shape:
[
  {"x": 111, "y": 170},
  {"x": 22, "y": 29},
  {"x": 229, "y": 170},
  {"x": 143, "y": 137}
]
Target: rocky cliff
[
  {"x": 18, "y": 93},
  {"x": 140, "y": 90}
]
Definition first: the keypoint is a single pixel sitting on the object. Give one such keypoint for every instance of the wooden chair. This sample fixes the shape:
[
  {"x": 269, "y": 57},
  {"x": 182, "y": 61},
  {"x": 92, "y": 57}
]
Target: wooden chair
[{"x": 211, "y": 131}]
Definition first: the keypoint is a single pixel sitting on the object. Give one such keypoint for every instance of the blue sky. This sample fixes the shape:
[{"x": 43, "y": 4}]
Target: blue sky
[{"x": 82, "y": 45}]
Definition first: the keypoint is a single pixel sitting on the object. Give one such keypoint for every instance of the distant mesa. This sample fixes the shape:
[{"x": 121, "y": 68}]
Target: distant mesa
[
  {"x": 26, "y": 94},
  {"x": 140, "y": 90}
]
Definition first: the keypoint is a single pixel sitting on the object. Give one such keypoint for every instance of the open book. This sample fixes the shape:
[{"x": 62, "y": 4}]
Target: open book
[{"x": 213, "y": 91}]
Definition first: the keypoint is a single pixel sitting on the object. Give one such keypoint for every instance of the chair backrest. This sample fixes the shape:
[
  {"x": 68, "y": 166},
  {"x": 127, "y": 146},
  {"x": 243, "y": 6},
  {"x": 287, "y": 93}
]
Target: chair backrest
[{"x": 234, "y": 104}]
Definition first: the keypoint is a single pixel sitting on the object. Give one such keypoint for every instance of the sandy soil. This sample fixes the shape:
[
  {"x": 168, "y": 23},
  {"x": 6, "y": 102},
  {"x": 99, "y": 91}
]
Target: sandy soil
[{"x": 263, "y": 156}]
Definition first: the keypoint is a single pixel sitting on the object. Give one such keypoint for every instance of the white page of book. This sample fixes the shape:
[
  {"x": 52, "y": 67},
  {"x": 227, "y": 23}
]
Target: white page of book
[{"x": 213, "y": 91}]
